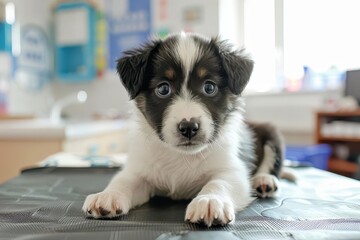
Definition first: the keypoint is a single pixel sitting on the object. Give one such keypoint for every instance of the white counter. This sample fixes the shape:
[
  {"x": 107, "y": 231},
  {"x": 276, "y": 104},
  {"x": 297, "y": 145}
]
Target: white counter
[{"x": 45, "y": 129}]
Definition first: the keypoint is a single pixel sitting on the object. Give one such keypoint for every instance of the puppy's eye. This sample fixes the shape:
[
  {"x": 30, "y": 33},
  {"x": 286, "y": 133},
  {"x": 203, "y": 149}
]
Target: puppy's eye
[
  {"x": 210, "y": 88},
  {"x": 163, "y": 90}
]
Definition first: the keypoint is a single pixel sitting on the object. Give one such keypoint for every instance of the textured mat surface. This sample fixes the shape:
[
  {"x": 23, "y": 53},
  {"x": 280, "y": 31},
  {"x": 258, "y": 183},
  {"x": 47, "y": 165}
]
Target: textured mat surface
[{"x": 46, "y": 204}]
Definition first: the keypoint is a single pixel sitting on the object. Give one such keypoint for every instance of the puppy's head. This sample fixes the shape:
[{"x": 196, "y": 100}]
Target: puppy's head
[{"x": 186, "y": 86}]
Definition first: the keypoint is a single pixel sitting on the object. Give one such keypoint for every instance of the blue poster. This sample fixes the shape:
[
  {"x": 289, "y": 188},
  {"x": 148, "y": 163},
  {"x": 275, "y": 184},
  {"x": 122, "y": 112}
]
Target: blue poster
[{"x": 129, "y": 25}]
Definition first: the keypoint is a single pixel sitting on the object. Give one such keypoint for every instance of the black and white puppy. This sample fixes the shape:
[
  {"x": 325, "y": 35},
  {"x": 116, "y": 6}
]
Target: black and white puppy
[{"x": 189, "y": 139}]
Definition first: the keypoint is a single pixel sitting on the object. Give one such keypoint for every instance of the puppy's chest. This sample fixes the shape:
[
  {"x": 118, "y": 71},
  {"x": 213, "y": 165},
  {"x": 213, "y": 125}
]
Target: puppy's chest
[{"x": 177, "y": 178}]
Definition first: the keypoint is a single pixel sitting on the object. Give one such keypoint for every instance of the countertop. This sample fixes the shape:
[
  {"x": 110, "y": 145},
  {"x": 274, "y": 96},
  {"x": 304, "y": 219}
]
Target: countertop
[{"x": 45, "y": 129}]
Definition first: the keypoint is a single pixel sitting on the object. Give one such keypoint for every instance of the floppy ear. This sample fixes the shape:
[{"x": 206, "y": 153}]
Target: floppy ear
[
  {"x": 133, "y": 68},
  {"x": 236, "y": 65}
]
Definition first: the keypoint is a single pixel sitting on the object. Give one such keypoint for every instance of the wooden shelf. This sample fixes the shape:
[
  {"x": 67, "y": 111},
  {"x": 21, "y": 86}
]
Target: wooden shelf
[
  {"x": 339, "y": 113},
  {"x": 342, "y": 166},
  {"x": 338, "y": 139},
  {"x": 339, "y": 166}
]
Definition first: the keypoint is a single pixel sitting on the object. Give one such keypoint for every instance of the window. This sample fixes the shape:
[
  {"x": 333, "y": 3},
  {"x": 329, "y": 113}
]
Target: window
[
  {"x": 321, "y": 36},
  {"x": 301, "y": 44},
  {"x": 259, "y": 40}
]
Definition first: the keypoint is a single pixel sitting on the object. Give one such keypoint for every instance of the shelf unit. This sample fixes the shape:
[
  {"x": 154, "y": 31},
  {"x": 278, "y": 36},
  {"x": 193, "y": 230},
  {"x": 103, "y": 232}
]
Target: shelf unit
[{"x": 337, "y": 165}]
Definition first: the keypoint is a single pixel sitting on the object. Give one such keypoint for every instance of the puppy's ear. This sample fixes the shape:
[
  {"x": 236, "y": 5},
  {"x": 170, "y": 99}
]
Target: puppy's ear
[
  {"x": 134, "y": 68},
  {"x": 236, "y": 66}
]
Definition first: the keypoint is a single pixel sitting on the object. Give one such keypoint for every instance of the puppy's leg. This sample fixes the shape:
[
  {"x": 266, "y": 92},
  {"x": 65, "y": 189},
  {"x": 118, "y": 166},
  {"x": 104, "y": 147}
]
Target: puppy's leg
[
  {"x": 269, "y": 151},
  {"x": 219, "y": 198},
  {"x": 122, "y": 194},
  {"x": 264, "y": 182}
]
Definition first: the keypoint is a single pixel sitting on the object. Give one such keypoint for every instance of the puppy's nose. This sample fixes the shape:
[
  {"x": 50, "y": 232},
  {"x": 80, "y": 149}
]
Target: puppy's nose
[{"x": 188, "y": 128}]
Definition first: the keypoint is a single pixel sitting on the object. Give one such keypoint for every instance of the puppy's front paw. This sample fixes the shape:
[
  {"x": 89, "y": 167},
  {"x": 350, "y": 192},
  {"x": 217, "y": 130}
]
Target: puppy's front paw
[
  {"x": 106, "y": 204},
  {"x": 265, "y": 185},
  {"x": 210, "y": 210}
]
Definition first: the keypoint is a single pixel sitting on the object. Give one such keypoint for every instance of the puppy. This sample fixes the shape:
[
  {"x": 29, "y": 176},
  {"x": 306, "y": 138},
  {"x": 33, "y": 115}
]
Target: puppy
[{"x": 189, "y": 139}]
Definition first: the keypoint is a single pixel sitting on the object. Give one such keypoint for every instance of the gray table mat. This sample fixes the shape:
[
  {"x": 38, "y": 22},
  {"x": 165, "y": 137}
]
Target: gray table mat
[{"x": 46, "y": 203}]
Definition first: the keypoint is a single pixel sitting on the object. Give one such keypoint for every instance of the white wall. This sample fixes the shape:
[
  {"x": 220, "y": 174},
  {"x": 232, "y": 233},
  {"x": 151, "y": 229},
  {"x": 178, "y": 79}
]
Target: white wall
[
  {"x": 104, "y": 94},
  {"x": 293, "y": 113}
]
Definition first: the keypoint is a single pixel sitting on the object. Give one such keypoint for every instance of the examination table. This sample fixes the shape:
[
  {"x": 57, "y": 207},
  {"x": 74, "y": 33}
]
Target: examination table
[{"x": 45, "y": 203}]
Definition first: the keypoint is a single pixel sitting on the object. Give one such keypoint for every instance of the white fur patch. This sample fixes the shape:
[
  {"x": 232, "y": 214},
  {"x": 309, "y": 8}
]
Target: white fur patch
[
  {"x": 188, "y": 52},
  {"x": 185, "y": 107},
  {"x": 268, "y": 162},
  {"x": 210, "y": 209}
]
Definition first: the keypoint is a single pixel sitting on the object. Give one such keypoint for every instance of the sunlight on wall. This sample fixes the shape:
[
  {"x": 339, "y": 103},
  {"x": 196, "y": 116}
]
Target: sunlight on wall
[{"x": 260, "y": 42}]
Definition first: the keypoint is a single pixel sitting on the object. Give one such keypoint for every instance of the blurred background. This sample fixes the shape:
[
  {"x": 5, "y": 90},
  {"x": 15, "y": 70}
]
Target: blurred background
[{"x": 59, "y": 91}]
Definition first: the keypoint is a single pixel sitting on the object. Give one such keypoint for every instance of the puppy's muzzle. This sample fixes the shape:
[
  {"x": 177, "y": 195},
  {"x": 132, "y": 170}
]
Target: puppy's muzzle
[{"x": 189, "y": 128}]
